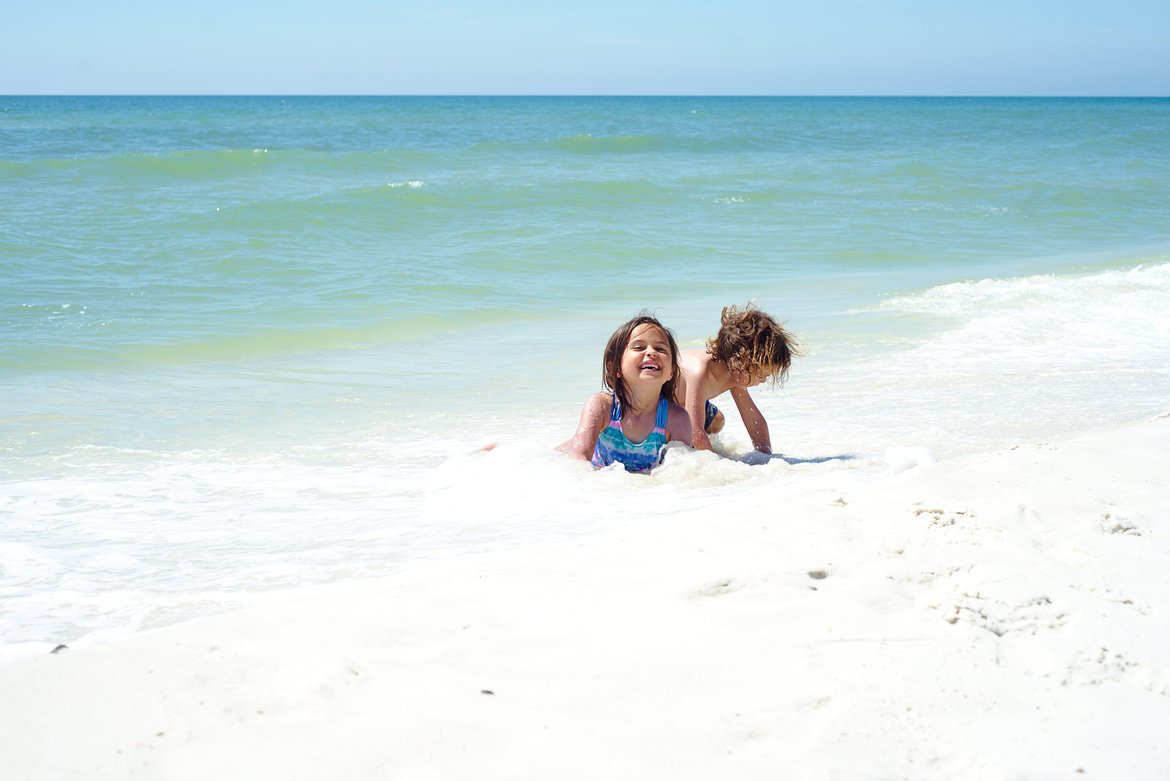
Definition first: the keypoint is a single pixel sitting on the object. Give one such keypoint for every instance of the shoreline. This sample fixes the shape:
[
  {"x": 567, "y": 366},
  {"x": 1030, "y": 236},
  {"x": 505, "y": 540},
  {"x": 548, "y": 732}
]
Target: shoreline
[{"x": 996, "y": 615}]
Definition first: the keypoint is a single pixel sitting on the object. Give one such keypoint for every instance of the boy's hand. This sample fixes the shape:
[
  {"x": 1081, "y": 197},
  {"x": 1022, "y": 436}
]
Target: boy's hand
[
  {"x": 698, "y": 414},
  {"x": 699, "y": 438},
  {"x": 753, "y": 420}
]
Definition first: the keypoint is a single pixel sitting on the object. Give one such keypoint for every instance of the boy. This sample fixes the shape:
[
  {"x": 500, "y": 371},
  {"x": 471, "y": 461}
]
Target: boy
[{"x": 750, "y": 347}]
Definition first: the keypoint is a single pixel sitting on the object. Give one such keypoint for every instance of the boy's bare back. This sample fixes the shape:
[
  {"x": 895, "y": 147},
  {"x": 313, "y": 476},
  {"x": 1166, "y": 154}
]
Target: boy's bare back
[{"x": 700, "y": 369}]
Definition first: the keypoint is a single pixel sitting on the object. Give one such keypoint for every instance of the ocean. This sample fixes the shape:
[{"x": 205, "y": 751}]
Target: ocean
[{"x": 254, "y": 343}]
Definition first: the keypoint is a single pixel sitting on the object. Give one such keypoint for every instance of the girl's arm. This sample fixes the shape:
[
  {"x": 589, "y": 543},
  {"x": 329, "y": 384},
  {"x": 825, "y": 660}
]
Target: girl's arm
[
  {"x": 594, "y": 418},
  {"x": 678, "y": 426},
  {"x": 753, "y": 420}
]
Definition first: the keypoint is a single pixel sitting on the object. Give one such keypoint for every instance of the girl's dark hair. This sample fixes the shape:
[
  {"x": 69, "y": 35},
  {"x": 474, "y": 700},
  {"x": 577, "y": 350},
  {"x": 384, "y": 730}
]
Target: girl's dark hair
[{"x": 611, "y": 360}]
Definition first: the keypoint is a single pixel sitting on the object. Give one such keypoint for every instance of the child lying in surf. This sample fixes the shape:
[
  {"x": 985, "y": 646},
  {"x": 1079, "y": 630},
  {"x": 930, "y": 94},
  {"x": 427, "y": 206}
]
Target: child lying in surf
[
  {"x": 749, "y": 348},
  {"x": 634, "y": 420}
]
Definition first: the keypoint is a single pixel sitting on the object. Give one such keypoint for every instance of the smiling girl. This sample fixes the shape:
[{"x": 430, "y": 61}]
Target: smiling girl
[{"x": 635, "y": 418}]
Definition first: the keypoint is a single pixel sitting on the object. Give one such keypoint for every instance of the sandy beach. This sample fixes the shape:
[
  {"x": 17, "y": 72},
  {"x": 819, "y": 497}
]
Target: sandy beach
[{"x": 1001, "y": 616}]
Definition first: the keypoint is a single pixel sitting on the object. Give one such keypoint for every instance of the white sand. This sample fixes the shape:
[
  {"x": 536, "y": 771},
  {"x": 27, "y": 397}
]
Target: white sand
[{"x": 1000, "y": 617}]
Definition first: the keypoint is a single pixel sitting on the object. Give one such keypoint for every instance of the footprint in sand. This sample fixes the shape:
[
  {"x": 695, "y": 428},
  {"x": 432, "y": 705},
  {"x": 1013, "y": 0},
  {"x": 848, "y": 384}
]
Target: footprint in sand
[
  {"x": 722, "y": 586},
  {"x": 938, "y": 517},
  {"x": 1031, "y": 617},
  {"x": 1116, "y": 524},
  {"x": 1095, "y": 666}
]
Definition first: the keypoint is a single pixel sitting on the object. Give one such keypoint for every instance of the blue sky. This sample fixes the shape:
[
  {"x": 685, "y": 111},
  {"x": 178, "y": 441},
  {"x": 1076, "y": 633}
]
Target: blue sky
[{"x": 769, "y": 47}]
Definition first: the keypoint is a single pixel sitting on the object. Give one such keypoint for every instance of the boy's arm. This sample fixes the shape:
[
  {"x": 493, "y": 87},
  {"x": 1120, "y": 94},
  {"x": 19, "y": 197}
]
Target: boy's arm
[
  {"x": 753, "y": 420},
  {"x": 697, "y": 413},
  {"x": 594, "y": 418}
]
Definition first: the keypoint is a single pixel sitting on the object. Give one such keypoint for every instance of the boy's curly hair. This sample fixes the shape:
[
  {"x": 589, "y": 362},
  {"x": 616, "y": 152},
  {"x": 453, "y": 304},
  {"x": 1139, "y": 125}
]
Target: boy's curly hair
[{"x": 749, "y": 340}]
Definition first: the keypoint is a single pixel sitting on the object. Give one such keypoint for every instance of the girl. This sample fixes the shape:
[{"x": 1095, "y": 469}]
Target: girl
[{"x": 636, "y": 418}]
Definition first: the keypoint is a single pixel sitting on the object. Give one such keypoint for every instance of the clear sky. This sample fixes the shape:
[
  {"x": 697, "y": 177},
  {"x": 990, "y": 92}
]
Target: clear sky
[{"x": 745, "y": 47}]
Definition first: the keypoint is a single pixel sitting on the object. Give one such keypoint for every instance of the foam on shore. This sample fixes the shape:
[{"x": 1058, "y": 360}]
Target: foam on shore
[{"x": 1001, "y": 615}]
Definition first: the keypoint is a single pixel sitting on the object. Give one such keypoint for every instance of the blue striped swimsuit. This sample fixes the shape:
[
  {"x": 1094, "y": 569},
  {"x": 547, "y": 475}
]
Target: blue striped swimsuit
[{"x": 613, "y": 446}]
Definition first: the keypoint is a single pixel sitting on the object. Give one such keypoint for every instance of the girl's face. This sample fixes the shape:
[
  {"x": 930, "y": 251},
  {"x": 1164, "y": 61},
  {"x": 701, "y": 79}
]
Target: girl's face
[{"x": 647, "y": 357}]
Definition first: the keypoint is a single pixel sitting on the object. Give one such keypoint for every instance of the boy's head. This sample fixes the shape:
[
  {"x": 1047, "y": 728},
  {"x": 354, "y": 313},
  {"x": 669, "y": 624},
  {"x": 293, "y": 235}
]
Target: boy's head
[
  {"x": 615, "y": 348},
  {"x": 752, "y": 344}
]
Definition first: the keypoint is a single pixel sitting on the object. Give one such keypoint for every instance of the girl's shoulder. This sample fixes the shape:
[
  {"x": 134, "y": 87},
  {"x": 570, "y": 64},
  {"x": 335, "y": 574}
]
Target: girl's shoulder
[
  {"x": 678, "y": 422},
  {"x": 599, "y": 402}
]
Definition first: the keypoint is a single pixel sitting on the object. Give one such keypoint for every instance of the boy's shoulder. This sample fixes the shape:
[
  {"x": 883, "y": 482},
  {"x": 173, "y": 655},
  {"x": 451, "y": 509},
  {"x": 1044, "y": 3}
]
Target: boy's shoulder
[
  {"x": 696, "y": 360},
  {"x": 705, "y": 374}
]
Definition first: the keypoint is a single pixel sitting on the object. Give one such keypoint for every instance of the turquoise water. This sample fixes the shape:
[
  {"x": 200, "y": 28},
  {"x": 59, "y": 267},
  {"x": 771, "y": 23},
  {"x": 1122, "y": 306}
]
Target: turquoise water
[{"x": 251, "y": 342}]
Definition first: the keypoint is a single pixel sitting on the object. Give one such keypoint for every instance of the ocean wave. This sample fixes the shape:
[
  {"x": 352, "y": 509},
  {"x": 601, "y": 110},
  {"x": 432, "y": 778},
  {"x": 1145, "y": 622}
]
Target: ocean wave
[
  {"x": 586, "y": 143},
  {"x": 590, "y": 144},
  {"x": 199, "y": 164},
  {"x": 1036, "y": 352},
  {"x": 1049, "y": 322},
  {"x": 973, "y": 298},
  {"x": 83, "y": 342}
]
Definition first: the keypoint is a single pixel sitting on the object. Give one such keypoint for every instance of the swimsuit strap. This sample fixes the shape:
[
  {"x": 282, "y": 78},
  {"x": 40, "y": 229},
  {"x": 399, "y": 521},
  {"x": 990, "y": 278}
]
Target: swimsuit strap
[
  {"x": 660, "y": 418},
  {"x": 660, "y": 415}
]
